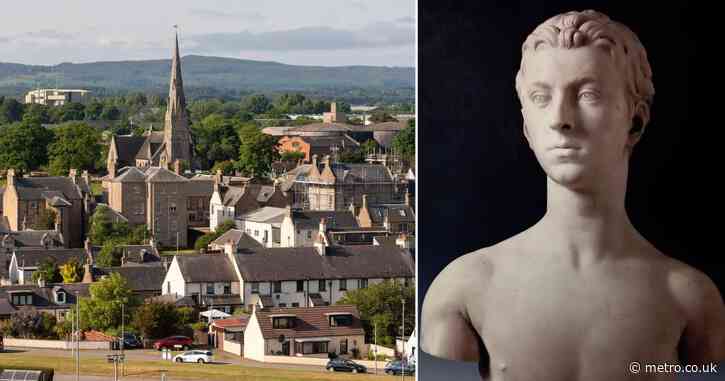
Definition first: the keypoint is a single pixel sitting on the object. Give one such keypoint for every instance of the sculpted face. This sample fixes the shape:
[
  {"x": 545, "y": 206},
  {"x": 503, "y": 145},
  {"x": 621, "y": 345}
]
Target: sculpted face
[{"x": 576, "y": 113}]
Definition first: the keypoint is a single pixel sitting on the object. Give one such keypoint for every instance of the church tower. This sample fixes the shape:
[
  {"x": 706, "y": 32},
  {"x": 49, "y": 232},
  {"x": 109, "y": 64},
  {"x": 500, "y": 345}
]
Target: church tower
[{"x": 177, "y": 134}]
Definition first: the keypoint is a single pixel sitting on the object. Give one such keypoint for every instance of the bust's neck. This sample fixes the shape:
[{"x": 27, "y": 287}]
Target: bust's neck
[{"x": 590, "y": 223}]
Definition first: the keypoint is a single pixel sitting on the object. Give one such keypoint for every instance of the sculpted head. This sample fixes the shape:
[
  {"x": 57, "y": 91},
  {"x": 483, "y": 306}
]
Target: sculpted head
[{"x": 585, "y": 87}]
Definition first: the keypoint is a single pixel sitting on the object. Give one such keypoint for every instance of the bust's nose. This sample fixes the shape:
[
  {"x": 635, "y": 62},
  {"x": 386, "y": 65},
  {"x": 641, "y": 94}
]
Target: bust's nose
[{"x": 562, "y": 114}]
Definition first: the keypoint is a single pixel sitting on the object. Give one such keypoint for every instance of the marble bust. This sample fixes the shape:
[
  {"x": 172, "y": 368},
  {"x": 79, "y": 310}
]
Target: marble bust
[{"x": 580, "y": 295}]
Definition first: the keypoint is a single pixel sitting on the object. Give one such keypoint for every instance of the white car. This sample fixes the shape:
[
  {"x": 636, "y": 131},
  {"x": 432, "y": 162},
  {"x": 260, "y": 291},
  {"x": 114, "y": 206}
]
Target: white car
[{"x": 202, "y": 357}]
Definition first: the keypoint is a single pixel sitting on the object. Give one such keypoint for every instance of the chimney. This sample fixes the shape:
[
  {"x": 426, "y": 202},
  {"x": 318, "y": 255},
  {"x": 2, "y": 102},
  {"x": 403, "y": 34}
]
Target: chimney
[
  {"x": 230, "y": 248},
  {"x": 365, "y": 201},
  {"x": 326, "y": 160},
  {"x": 177, "y": 166},
  {"x": 333, "y": 107},
  {"x": 10, "y": 177},
  {"x": 314, "y": 160},
  {"x": 88, "y": 248},
  {"x": 87, "y": 273},
  {"x": 217, "y": 180},
  {"x": 288, "y": 212},
  {"x": 73, "y": 174},
  {"x": 86, "y": 177}
]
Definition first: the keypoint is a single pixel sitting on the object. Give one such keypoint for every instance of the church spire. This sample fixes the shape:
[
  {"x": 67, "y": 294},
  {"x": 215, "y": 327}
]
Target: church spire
[{"x": 177, "y": 134}]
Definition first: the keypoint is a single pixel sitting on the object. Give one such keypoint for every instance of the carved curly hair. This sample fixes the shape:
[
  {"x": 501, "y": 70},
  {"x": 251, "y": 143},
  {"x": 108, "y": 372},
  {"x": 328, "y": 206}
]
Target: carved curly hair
[{"x": 577, "y": 29}]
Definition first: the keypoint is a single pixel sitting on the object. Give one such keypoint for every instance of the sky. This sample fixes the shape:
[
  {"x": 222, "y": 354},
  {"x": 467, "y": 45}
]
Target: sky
[{"x": 299, "y": 32}]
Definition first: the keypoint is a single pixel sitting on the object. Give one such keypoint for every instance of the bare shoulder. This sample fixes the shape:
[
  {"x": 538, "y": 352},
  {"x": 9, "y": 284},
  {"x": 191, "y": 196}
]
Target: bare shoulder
[
  {"x": 446, "y": 327},
  {"x": 703, "y": 338}
]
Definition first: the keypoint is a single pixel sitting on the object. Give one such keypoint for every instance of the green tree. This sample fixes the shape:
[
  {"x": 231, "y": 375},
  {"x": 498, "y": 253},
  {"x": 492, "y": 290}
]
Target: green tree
[
  {"x": 292, "y": 156},
  {"x": 257, "y": 151},
  {"x": 155, "y": 320},
  {"x": 71, "y": 271},
  {"x": 110, "y": 112},
  {"x": 404, "y": 142},
  {"x": 216, "y": 139},
  {"x": 72, "y": 111},
  {"x": 46, "y": 220},
  {"x": 109, "y": 254},
  {"x": 381, "y": 303},
  {"x": 101, "y": 225},
  {"x": 102, "y": 310},
  {"x": 93, "y": 110},
  {"x": 10, "y": 111},
  {"x": 379, "y": 116},
  {"x": 36, "y": 113},
  {"x": 24, "y": 146},
  {"x": 203, "y": 241},
  {"x": 76, "y": 146},
  {"x": 226, "y": 166},
  {"x": 48, "y": 270},
  {"x": 256, "y": 104}
]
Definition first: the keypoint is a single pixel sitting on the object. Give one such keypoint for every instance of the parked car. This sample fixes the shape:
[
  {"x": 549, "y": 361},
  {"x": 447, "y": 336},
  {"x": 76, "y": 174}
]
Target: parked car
[
  {"x": 172, "y": 342},
  {"x": 344, "y": 365},
  {"x": 202, "y": 357},
  {"x": 130, "y": 341},
  {"x": 397, "y": 367}
]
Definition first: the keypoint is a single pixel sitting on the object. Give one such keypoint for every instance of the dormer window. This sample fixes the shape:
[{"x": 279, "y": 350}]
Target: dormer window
[
  {"x": 340, "y": 320},
  {"x": 23, "y": 299},
  {"x": 283, "y": 322},
  {"x": 60, "y": 297}
]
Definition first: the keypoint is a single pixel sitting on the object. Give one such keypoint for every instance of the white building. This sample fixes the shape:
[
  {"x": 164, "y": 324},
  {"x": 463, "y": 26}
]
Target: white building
[
  {"x": 210, "y": 280},
  {"x": 299, "y": 228},
  {"x": 263, "y": 225},
  {"x": 56, "y": 97}
]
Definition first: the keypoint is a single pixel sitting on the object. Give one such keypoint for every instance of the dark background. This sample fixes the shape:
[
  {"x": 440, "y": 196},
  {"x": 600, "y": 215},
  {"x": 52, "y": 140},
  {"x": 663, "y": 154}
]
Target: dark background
[{"x": 479, "y": 183}]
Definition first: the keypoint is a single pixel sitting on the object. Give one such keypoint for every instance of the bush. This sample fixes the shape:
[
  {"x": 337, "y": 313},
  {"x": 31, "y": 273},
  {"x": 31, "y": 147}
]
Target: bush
[{"x": 200, "y": 326}]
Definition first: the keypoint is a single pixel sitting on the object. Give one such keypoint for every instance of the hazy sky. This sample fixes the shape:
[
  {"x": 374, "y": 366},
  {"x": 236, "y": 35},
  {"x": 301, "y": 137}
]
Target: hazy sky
[{"x": 301, "y": 32}]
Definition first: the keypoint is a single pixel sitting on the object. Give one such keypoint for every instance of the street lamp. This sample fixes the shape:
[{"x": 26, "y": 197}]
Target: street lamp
[{"x": 402, "y": 372}]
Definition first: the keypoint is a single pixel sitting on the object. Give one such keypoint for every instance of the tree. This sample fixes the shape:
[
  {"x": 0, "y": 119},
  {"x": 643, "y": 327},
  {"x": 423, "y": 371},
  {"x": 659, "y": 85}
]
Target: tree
[
  {"x": 29, "y": 323},
  {"x": 109, "y": 255},
  {"x": 404, "y": 142},
  {"x": 24, "y": 146},
  {"x": 379, "y": 116},
  {"x": 71, "y": 271},
  {"x": 72, "y": 111},
  {"x": 110, "y": 112},
  {"x": 101, "y": 225},
  {"x": 10, "y": 111},
  {"x": 257, "y": 151},
  {"x": 256, "y": 104},
  {"x": 226, "y": 166},
  {"x": 76, "y": 146},
  {"x": 46, "y": 220},
  {"x": 380, "y": 303},
  {"x": 36, "y": 113},
  {"x": 156, "y": 320},
  {"x": 102, "y": 310},
  {"x": 216, "y": 139},
  {"x": 93, "y": 110},
  {"x": 292, "y": 156},
  {"x": 203, "y": 241},
  {"x": 48, "y": 271}
]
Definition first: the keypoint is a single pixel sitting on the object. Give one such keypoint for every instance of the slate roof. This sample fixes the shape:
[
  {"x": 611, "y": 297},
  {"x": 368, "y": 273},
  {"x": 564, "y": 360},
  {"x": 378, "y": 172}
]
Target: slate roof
[
  {"x": 387, "y": 126},
  {"x": 132, "y": 174},
  {"x": 32, "y": 188},
  {"x": 239, "y": 237},
  {"x": 206, "y": 268},
  {"x": 139, "y": 253},
  {"x": 199, "y": 186},
  {"x": 341, "y": 262},
  {"x": 268, "y": 214},
  {"x": 308, "y": 219},
  {"x": 139, "y": 278},
  {"x": 163, "y": 175},
  {"x": 44, "y": 297},
  {"x": 396, "y": 213},
  {"x": 309, "y": 322},
  {"x": 128, "y": 146},
  {"x": 32, "y": 238},
  {"x": 34, "y": 257}
]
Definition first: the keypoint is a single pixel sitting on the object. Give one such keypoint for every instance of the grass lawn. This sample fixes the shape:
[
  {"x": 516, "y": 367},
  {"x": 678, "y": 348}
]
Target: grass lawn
[{"x": 99, "y": 366}]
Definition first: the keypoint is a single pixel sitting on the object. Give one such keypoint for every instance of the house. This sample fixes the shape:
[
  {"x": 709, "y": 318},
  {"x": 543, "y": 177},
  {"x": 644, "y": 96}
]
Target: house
[
  {"x": 385, "y": 132},
  {"x": 320, "y": 275},
  {"x": 54, "y": 299},
  {"x": 394, "y": 218},
  {"x": 263, "y": 225},
  {"x": 144, "y": 281},
  {"x": 228, "y": 334},
  {"x": 304, "y": 332},
  {"x": 163, "y": 148},
  {"x": 229, "y": 202},
  {"x": 27, "y": 239},
  {"x": 299, "y": 227},
  {"x": 238, "y": 239},
  {"x": 25, "y": 199},
  {"x": 317, "y": 145},
  {"x": 209, "y": 279},
  {"x": 24, "y": 262},
  {"x": 198, "y": 200},
  {"x": 56, "y": 97},
  {"x": 334, "y": 186}
]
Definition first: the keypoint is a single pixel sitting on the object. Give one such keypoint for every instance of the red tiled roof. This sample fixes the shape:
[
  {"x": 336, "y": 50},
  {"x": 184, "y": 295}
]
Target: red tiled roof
[
  {"x": 97, "y": 336},
  {"x": 310, "y": 322},
  {"x": 239, "y": 321}
]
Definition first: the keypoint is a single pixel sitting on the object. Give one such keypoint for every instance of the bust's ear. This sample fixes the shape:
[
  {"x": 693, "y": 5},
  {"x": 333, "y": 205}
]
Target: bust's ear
[{"x": 639, "y": 122}]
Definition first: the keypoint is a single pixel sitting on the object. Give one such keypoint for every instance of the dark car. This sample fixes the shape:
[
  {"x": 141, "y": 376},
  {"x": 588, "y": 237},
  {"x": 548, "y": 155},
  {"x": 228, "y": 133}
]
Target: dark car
[
  {"x": 398, "y": 367},
  {"x": 344, "y": 365},
  {"x": 172, "y": 342},
  {"x": 130, "y": 341}
]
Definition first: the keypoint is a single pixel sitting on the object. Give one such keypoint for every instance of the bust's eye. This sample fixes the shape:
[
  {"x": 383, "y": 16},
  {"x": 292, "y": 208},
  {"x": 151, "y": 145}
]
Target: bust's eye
[
  {"x": 539, "y": 98},
  {"x": 589, "y": 96}
]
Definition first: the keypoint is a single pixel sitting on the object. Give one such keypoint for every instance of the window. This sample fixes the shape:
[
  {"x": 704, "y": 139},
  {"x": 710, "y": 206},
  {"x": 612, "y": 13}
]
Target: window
[
  {"x": 210, "y": 288},
  {"x": 172, "y": 208},
  {"x": 295, "y": 304},
  {"x": 283, "y": 322},
  {"x": 278, "y": 286},
  {"x": 406, "y": 282},
  {"x": 283, "y": 305},
  {"x": 343, "y": 284},
  {"x": 300, "y": 286},
  {"x": 60, "y": 297},
  {"x": 311, "y": 348},
  {"x": 168, "y": 287},
  {"x": 255, "y": 287},
  {"x": 227, "y": 288},
  {"x": 266, "y": 236},
  {"x": 404, "y": 228},
  {"x": 23, "y": 299},
  {"x": 340, "y": 320},
  {"x": 362, "y": 283},
  {"x": 256, "y": 233},
  {"x": 309, "y": 234},
  {"x": 343, "y": 346},
  {"x": 321, "y": 286},
  {"x": 195, "y": 297}
]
